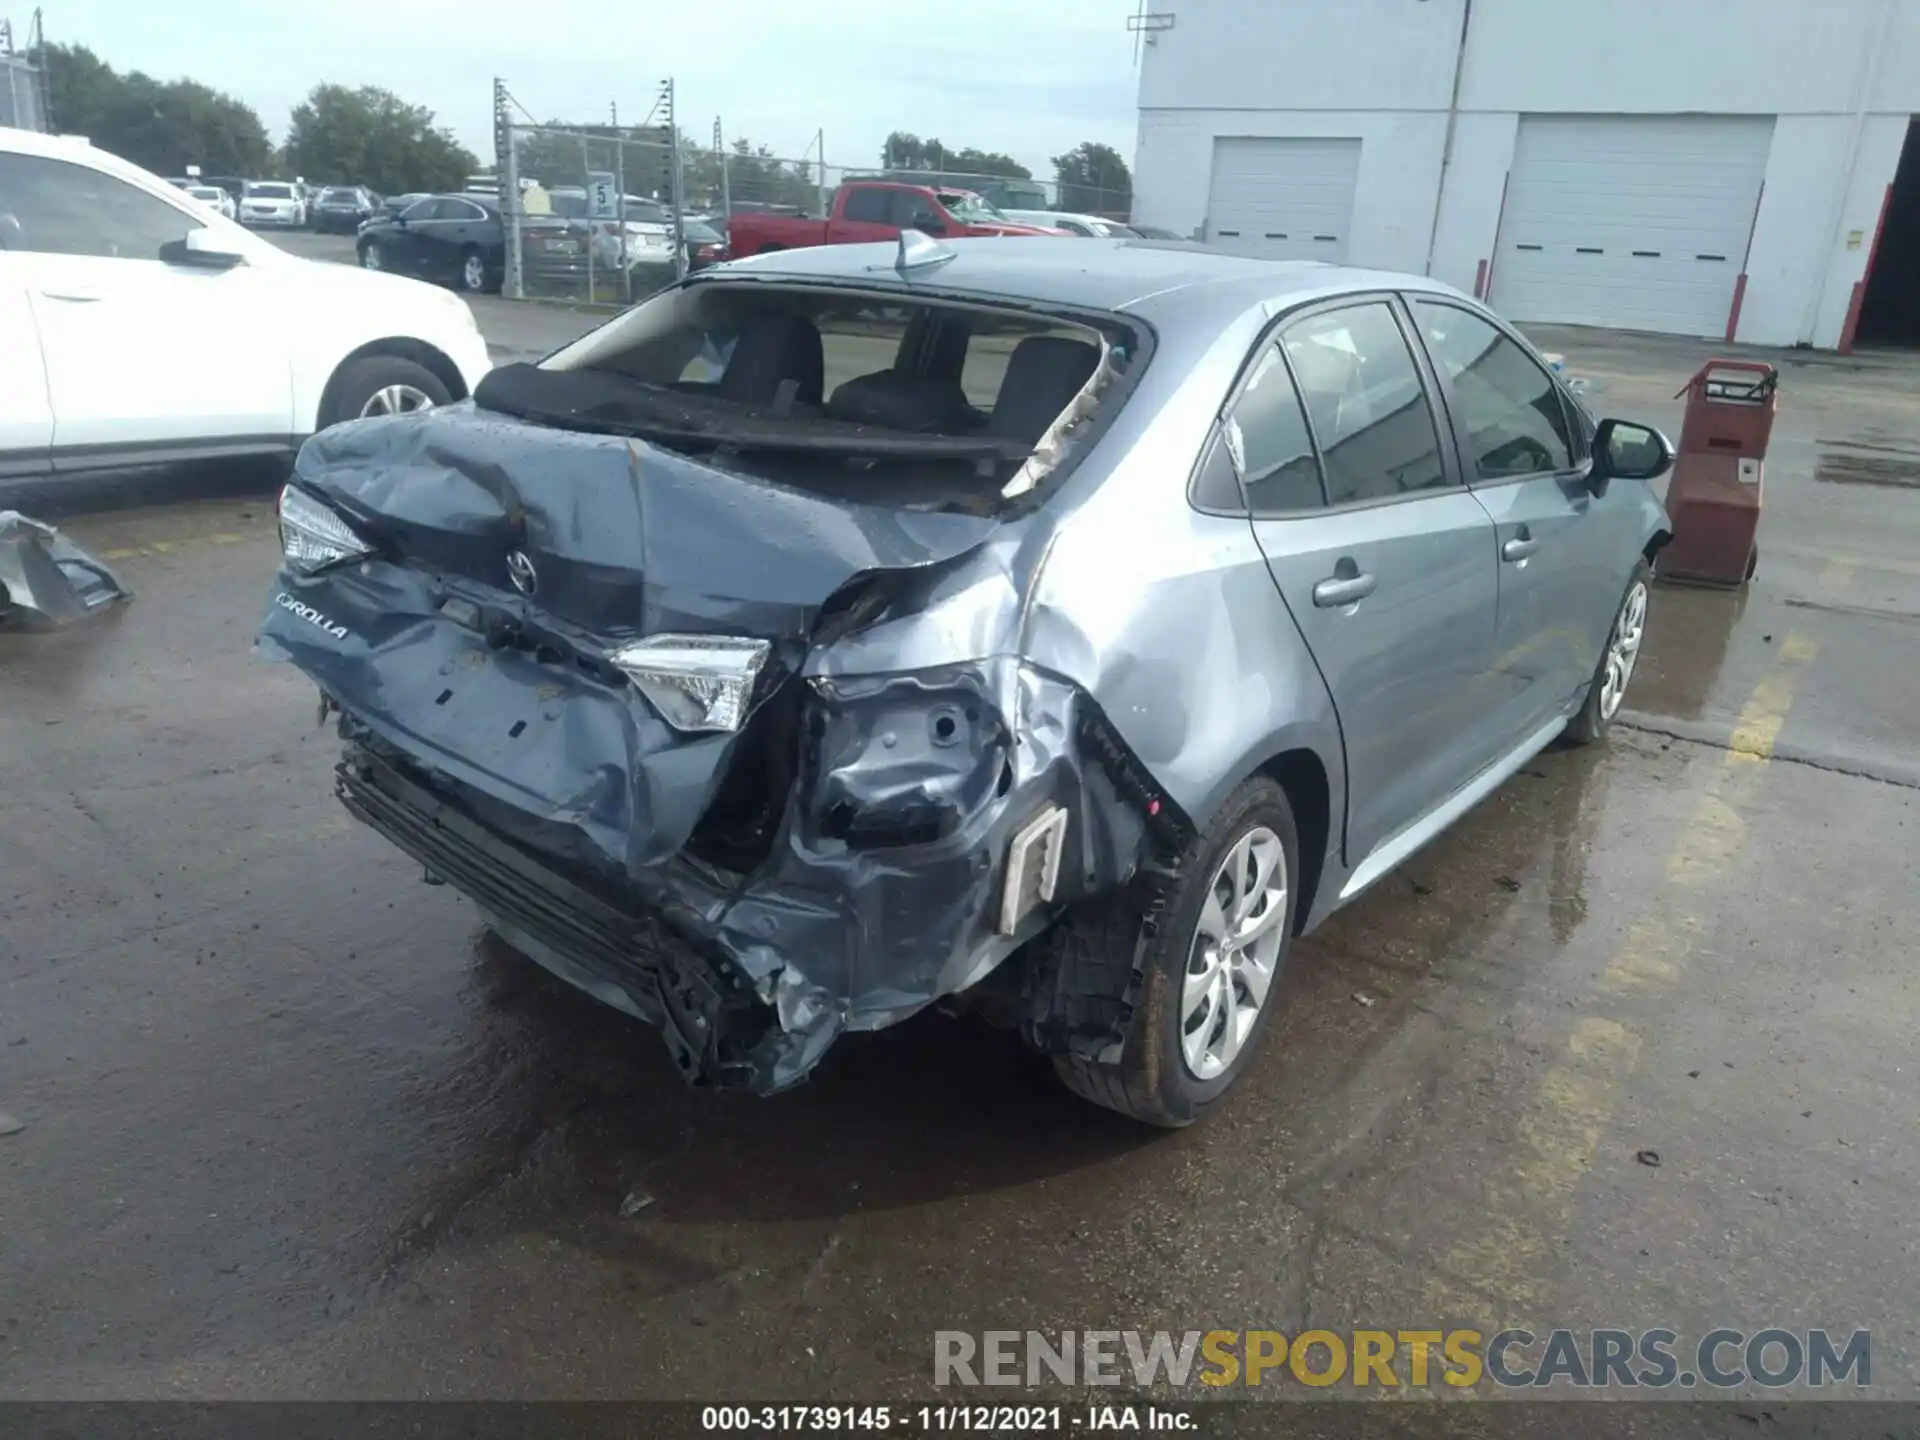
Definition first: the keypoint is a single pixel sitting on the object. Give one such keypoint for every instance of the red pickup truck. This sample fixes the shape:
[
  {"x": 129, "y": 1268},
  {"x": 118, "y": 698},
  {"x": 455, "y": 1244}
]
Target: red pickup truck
[{"x": 874, "y": 210}]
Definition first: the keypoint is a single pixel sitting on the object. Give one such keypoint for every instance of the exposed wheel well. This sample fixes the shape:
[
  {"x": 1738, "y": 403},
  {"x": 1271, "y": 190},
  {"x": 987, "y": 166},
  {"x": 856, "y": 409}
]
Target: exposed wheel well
[
  {"x": 403, "y": 348},
  {"x": 1304, "y": 778},
  {"x": 1656, "y": 544}
]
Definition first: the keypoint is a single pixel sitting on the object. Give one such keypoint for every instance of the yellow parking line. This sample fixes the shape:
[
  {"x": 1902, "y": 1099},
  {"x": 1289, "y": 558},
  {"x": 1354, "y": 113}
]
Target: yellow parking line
[{"x": 1498, "y": 1273}]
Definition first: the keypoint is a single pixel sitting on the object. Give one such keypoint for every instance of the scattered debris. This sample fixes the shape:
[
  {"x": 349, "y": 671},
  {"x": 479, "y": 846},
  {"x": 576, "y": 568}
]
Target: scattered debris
[
  {"x": 1693, "y": 1074},
  {"x": 1766, "y": 639},
  {"x": 1420, "y": 889},
  {"x": 1649, "y": 1158},
  {"x": 1508, "y": 883},
  {"x": 1806, "y": 1114},
  {"x": 9, "y": 1125},
  {"x": 47, "y": 581},
  {"x": 1365, "y": 999},
  {"x": 636, "y": 1201}
]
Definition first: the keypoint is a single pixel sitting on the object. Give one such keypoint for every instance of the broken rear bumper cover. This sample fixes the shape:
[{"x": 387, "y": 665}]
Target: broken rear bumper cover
[{"x": 888, "y": 883}]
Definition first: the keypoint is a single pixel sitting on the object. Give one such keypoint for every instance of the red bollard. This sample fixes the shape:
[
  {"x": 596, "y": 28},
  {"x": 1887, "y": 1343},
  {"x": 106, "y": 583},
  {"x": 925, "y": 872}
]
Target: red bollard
[{"x": 1714, "y": 496}]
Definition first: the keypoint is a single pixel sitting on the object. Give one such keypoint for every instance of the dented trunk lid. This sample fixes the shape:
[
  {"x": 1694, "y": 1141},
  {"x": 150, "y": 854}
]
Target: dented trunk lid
[{"x": 434, "y": 652}]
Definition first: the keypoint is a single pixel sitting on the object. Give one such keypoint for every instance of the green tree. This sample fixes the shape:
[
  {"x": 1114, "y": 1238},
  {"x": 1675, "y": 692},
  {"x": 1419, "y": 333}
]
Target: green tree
[
  {"x": 161, "y": 125},
  {"x": 906, "y": 151},
  {"x": 1094, "y": 180},
  {"x": 370, "y": 136}
]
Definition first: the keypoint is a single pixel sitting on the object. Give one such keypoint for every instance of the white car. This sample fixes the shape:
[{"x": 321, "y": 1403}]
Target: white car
[
  {"x": 647, "y": 223},
  {"x": 212, "y": 195},
  {"x": 1086, "y": 226},
  {"x": 272, "y": 202},
  {"x": 142, "y": 328}
]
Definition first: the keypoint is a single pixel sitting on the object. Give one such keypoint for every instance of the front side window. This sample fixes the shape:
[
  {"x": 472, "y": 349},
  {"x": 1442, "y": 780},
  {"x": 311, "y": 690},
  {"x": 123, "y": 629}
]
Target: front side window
[
  {"x": 1369, "y": 410},
  {"x": 54, "y": 207},
  {"x": 1266, "y": 434},
  {"x": 1509, "y": 408},
  {"x": 419, "y": 210}
]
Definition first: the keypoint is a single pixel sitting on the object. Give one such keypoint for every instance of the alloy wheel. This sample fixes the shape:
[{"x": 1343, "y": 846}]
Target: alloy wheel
[
  {"x": 1623, "y": 649},
  {"x": 473, "y": 274},
  {"x": 370, "y": 257},
  {"x": 396, "y": 400},
  {"x": 1234, "y": 953}
]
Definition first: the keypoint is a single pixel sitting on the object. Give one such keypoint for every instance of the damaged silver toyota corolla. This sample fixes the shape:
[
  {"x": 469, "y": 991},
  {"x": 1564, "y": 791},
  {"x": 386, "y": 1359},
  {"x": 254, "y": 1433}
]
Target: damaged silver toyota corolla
[{"x": 1060, "y": 627}]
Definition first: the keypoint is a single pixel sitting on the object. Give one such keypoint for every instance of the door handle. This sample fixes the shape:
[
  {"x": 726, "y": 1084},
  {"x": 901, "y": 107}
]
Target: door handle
[
  {"x": 77, "y": 297},
  {"x": 1518, "y": 548},
  {"x": 1343, "y": 589}
]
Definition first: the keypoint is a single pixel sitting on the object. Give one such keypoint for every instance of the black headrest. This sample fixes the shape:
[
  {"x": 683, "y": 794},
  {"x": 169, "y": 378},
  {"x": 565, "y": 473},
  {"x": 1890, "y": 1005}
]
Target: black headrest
[
  {"x": 1043, "y": 374},
  {"x": 900, "y": 401},
  {"x": 771, "y": 349}
]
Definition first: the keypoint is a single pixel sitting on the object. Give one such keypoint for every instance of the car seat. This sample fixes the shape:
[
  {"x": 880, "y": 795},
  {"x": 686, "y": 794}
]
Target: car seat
[{"x": 1043, "y": 375}]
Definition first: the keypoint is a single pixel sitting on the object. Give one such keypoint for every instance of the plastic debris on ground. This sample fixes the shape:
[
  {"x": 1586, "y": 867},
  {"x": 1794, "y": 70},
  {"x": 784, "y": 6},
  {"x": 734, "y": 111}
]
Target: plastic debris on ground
[{"x": 46, "y": 581}]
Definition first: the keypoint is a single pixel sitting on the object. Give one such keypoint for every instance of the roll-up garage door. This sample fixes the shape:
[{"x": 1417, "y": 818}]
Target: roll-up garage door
[
  {"x": 1286, "y": 199},
  {"x": 1637, "y": 222}
]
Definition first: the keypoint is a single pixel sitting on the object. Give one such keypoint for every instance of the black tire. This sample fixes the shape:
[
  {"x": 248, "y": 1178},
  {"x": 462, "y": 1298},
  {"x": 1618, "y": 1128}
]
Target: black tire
[
  {"x": 1753, "y": 562},
  {"x": 360, "y": 380},
  {"x": 1152, "y": 1081},
  {"x": 1590, "y": 723}
]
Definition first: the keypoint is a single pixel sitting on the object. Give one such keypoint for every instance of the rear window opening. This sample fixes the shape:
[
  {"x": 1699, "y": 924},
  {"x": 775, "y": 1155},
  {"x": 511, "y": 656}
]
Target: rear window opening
[{"x": 917, "y": 403}]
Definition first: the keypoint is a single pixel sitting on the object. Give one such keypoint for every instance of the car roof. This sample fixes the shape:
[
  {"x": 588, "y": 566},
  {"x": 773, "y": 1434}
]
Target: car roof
[{"x": 1099, "y": 274}]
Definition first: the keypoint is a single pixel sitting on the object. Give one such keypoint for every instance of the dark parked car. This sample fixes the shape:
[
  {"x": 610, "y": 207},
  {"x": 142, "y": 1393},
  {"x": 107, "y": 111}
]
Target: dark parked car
[
  {"x": 705, "y": 245},
  {"x": 343, "y": 208},
  {"x": 459, "y": 240},
  {"x": 1064, "y": 628}
]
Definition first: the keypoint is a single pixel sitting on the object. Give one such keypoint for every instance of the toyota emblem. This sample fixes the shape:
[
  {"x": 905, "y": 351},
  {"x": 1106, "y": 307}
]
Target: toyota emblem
[{"x": 521, "y": 572}]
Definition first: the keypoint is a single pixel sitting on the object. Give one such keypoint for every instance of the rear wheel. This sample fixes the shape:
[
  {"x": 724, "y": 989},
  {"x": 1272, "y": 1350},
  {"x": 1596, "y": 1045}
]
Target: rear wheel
[
  {"x": 384, "y": 385},
  {"x": 1608, "y": 690},
  {"x": 1211, "y": 966},
  {"x": 473, "y": 271},
  {"x": 371, "y": 258}
]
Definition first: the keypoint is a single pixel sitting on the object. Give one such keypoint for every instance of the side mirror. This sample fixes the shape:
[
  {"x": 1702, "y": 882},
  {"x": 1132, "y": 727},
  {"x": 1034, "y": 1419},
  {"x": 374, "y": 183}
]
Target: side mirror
[
  {"x": 1623, "y": 450},
  {"x": 202, "y": 251}
]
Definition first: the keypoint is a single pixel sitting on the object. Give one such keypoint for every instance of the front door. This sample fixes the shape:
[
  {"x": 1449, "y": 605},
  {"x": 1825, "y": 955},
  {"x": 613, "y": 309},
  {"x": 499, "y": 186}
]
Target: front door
[
  {"x": 1559, "y": 578},
  {"x": 1384, "y": 559},
  {"x": 26, "y": 415},
  {"x": 140, "y": 354}
]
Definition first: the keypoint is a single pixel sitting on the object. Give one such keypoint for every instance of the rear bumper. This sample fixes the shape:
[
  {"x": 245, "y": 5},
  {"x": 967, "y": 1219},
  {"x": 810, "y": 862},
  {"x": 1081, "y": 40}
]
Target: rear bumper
[{"x": 620, "y": 953}]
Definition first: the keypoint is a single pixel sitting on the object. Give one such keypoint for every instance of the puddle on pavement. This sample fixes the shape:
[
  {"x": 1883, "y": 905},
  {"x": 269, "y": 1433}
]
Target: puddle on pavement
[{"x": 1867, "y": 463}]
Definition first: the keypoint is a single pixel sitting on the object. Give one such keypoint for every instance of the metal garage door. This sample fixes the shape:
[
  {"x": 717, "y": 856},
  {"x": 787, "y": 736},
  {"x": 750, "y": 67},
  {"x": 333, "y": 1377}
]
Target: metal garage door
[
  {"x": 1638, "y": 222},
  {"x": 1283, "y": 199}
]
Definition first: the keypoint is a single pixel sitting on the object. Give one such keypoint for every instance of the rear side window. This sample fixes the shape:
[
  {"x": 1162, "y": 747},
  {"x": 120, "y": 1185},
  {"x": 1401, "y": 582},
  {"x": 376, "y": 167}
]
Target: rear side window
[
  {"x": 867, "y": 206},
  {"x": 1509, "y": 410},
  {"x": 1369, "y": 410},
  {"x": 1266, "y": 434},
  {"x": 53, "y": 207}
]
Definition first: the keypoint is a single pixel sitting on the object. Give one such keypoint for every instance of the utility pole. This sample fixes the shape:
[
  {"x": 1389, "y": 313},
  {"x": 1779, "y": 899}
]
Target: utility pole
[
  {"x": 720, "y": 159},
  {"x": 675, "y": 189},
  {"x": 506, "y": 165}
]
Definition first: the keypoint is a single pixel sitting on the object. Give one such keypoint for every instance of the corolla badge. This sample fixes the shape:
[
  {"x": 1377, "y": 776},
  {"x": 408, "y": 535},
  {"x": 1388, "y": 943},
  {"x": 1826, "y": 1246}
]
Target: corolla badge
[{"x": 520, "y": 571}]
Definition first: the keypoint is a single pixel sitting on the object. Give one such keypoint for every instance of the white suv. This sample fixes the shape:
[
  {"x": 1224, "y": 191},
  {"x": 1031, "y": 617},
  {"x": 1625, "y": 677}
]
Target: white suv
[
  {"x": 273, "y": 202},
  {"x": 142, "y": 327}
]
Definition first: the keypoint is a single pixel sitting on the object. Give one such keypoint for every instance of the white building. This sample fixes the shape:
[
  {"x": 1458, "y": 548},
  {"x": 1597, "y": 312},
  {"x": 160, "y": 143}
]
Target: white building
[{"x": 1704, "y": 167}]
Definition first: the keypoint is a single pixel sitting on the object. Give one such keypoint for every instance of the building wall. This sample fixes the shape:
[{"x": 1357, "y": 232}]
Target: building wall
[{"x": 1842, "y": 76}]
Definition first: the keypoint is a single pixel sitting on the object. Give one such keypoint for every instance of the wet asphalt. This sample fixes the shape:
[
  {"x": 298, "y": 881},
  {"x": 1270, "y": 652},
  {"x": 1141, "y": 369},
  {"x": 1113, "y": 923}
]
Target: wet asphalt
[{"x": 292, "y": 1124}]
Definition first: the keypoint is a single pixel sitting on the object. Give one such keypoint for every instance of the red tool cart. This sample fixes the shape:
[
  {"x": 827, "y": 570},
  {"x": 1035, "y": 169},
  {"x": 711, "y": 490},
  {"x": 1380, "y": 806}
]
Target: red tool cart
[{"x": 1714, "y": 496}]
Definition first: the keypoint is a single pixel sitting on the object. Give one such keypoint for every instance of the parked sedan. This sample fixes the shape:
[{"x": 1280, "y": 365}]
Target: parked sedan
[
  {"x": 1085, "y": 226},
  {"x": 460, "y": 240},
  {"x": 343, "y": 208},
  {"x": 212, "y": 196},
  {"x": 773, "y": 663},
  {"x": 143, "y": 328},
  {"x": 272, "y": 203}
]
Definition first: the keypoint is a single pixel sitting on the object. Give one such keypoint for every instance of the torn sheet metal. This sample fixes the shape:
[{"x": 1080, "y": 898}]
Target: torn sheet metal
[
  {"x": 490, "y": 739},
  {"x": 47, "y": 581}
]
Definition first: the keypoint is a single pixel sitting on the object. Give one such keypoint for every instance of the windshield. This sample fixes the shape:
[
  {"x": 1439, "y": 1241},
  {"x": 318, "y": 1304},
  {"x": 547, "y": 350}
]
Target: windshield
[
  {"x": 646, "y": 212},
  {"x": 270, "y": 192},
  {"x": 337, "y": 195},
  {"x": 567, "y": 207},
  {"x": 965, "y": 205}
]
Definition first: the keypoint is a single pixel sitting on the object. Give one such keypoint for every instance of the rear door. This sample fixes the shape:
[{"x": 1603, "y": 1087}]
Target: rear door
[
  {"x": 869, "y": 214},
  {"x": 1383, "y": 557},
  {"x": 1561, "y": 551},
  {"x": 26, "y": 414}
]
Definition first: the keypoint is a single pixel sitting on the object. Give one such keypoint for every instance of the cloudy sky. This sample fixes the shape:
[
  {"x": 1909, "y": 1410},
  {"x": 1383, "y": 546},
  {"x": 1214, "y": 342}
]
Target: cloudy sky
[{"x": 1028, "y": 77}]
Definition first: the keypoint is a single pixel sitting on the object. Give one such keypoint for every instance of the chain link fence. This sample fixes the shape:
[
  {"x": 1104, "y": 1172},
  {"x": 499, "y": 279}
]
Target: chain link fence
[
  {"x": 23, "y": 95},
  {"x": 607, "y": 214}
]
